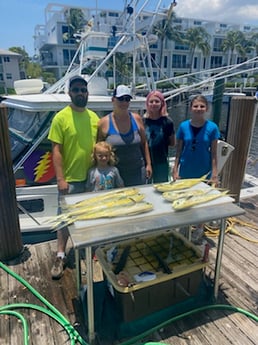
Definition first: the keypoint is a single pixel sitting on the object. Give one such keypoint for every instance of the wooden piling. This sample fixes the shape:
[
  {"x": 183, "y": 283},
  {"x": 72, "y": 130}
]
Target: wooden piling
[
  {"x": 10, "y": 235},
  {"x": 241, "y": 123}
]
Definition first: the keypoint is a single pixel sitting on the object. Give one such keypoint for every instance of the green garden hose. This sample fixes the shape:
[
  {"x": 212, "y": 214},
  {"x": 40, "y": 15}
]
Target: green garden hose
[
  {"x": 135, "y": 340},
  {"x": 23, "y": 320},
  {"x": 73, "y": 334},
  {"x": 51, "y": 311}
]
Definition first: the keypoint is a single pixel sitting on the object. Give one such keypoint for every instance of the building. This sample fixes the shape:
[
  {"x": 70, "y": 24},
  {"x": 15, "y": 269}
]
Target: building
[
  {"x": 9, "y": 69},
  {"x": 56, "y": 49}
]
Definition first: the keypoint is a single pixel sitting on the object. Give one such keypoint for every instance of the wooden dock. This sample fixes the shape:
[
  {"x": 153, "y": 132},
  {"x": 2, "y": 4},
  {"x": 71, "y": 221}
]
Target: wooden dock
[{"x": 238, "y": 288}]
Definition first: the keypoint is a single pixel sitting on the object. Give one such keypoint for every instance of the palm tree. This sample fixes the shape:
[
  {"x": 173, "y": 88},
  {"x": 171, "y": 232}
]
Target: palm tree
[
  {"x": 164, "y": 29},
  {"x": 254, "y": 39},
  {"x": 24, "y": 62},
  {"x": 196, "y": 38},
  {"x": 123, "y": 68},
  {"x": 233, "y": 42},
  {"x": 76, "y": 21}
]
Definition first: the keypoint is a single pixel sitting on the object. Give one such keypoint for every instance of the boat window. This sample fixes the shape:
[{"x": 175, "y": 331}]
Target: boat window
[
  {"x": 32, "y": 206},
  {"x": 25, "y": 128}
]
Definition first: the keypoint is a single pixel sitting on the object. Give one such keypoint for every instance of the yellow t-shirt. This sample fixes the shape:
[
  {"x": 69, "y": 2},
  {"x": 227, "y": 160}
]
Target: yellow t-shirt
[{"x": 77, "y": 133}]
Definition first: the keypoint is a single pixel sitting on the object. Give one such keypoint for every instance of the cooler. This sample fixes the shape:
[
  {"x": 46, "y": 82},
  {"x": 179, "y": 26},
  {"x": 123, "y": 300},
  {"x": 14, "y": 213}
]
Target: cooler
[{"x": 156, "y": 272}]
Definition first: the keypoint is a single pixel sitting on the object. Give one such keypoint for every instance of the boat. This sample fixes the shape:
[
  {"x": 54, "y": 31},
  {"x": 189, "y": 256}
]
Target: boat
[
  {"x": 30, "y": 114},
  {"x": 31, "y": 110},
  {"x": 41, "y": 197},
  {"x": 225, "y": 98}
]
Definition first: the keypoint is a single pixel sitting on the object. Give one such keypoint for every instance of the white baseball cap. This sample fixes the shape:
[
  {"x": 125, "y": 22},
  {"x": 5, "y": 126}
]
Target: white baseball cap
[{"x": 122, "y": 90}]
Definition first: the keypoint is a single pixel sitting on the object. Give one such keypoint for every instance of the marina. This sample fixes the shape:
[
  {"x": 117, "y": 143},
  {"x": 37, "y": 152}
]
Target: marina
[
  {"x": 230, "y": 322},
  {"x": 205, "y": 294}
]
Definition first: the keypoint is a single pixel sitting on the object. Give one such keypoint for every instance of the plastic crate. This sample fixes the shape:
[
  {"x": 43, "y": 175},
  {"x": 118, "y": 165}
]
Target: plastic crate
[{"x": 139, "y": 299}]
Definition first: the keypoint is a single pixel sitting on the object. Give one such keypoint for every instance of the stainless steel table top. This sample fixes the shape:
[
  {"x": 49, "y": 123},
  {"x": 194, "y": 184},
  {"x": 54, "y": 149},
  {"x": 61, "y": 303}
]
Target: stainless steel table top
[{"x": 162, "y": 217}]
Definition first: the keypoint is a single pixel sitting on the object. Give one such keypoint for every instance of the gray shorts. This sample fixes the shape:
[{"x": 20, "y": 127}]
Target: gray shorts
[{"x": 74, "y": 188}]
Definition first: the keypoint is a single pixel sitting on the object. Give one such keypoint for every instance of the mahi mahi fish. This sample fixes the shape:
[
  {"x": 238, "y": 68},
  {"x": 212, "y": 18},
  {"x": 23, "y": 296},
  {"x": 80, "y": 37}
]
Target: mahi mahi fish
[
  {"x": 183, "y": 193},
  {"x": 107, "y": 196},
  {"x": 187, "y": 202},
  {"x": 118, "y": 211},
  {"x": 97, "y": 208},
  {"x": 179, "y": 184}
]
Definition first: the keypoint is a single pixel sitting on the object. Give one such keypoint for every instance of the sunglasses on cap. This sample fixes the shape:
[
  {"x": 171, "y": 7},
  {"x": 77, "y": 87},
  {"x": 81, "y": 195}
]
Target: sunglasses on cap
[
  {"x": 79, "y": 89},
  {"x": 124, "y": 98}
]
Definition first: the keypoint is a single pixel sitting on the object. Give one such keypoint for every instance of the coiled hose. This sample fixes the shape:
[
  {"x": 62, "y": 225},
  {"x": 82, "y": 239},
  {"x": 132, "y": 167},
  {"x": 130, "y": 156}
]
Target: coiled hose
[
  {"x": 49, "y": 310},
  {"x": 74, "y": 336},
  {"x": 211, "y": 231}
]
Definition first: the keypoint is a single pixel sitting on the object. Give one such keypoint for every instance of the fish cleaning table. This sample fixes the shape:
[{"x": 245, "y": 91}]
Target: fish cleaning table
[{"x": 89, "y": 233}]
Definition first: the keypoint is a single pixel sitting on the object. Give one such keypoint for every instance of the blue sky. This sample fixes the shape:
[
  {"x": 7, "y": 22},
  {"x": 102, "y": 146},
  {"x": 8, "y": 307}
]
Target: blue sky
[{"x": 19, "y": 17}]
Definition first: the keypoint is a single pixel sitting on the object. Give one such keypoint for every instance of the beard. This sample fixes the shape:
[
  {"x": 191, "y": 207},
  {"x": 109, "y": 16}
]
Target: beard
[{"x": 80, "y": 100}]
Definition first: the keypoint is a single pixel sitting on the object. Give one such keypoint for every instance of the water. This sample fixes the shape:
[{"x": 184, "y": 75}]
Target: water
[{"x": 180, "y": 112}]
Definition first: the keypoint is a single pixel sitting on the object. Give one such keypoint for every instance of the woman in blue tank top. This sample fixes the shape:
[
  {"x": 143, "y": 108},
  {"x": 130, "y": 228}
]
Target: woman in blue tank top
[{"x": 125, "y": 132}]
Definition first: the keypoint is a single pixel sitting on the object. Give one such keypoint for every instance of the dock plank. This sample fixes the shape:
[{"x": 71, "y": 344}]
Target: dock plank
[{"x": 238, "y": 287}]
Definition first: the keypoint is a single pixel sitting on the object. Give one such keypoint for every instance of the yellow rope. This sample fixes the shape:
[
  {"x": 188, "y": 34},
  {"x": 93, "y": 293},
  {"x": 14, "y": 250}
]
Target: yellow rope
[{"x": 211, "y": 231}]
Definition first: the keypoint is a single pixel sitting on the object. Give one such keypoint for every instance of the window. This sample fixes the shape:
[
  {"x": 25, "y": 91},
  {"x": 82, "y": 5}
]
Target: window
[
  {"x": 181, "y": 46},
  {"x": 6, "y": 58},
  {"x": 1, "y": 60},
  {"x": 112, "y": 14},
  {"x": 223, "y": 26},
  {"x": 165, "y": 61},
  {"x": 197, "y": 22},
  {"x": 217, "y": 44},
  {"x": 178, "y": 61},
  {"x": 153, "y": 60},
  {"x": 216, "y": 61},
  {"x": 67, "y": 35},
  {"x": 195, "y": 63},
  {"x": 204, "y": 63},
  {"x": 240, "y": 59},
  {"x": 66, "y": 57},
  {"x": 154, "y": 46},
  {"x": 9, "y": 76}
]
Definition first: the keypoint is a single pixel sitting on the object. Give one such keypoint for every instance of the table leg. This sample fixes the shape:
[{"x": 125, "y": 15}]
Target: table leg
[
  {"x": 78, "y": 271},
  {"x": 90, "y": 300},
  {"x": 219, "y": 257}
]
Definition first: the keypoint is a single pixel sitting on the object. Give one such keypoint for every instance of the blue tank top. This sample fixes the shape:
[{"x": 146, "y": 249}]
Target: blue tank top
[{"x": 128, "y": 149}]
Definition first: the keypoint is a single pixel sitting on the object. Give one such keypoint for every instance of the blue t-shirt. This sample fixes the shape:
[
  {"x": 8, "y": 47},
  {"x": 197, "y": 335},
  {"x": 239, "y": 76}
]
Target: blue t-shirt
[
  {"x": 195, "y": 159},
  {"x": 102, "y": 179}
]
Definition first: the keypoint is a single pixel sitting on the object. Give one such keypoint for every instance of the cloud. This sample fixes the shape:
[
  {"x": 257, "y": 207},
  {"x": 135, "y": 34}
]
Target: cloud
[{"x": 230, "y": 11}]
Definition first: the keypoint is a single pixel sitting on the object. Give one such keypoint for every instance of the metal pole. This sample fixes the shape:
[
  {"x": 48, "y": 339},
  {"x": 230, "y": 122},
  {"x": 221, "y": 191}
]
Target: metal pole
[
  {"x": 219, "y": 257},
  {"x": 90, "y": 297}
]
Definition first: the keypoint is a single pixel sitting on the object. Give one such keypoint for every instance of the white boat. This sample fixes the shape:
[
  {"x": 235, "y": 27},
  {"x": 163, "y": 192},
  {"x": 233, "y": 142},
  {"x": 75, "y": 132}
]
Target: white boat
[
  {"x": 29, "y": 117},
  {"x": 226, "y": 96}
]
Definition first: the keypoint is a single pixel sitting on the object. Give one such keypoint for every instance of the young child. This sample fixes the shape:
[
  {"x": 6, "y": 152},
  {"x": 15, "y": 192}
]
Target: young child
[{"x": 103, "y": 175}]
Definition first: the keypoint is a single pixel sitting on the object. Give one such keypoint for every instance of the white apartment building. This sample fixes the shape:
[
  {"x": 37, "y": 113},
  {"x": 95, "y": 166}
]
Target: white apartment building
[
  {"x": 55, "y": 53},
  {"x": 9, "y": 69}
]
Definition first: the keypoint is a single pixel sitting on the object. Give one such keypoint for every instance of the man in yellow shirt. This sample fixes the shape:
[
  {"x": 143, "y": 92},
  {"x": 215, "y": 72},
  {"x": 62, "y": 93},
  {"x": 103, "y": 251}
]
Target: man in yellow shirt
[{"x": 73, "y": 134}]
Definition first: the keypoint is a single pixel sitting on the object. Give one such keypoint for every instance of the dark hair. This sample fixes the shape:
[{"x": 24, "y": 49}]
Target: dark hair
[{"x": 200, "y": 98}]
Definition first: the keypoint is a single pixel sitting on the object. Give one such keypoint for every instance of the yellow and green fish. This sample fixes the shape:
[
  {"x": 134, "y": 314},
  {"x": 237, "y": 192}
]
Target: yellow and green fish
[
  {"x": 187, "y": 202},
  {"x": 179, "y": 184},
  {"x": 183, "y": 193}
]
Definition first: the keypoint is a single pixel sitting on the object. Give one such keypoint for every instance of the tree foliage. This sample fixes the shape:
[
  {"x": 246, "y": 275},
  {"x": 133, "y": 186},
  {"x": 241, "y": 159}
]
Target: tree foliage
[
  {"x": 76, "y": 21},
  {"x": 25, "y": 60},
  {"x": 196, "y": 37},
  {"x": 165, "y": 29},
  {"x": 233, "y": 42}
]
